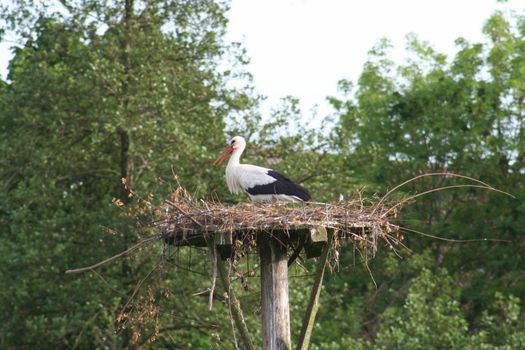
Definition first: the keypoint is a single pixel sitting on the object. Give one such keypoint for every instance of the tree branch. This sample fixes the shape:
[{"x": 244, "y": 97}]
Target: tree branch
[
  {"x": 313, "y": 304},
  {"x": 236, "y": 305},
  {"x": 145, "y": 242}
]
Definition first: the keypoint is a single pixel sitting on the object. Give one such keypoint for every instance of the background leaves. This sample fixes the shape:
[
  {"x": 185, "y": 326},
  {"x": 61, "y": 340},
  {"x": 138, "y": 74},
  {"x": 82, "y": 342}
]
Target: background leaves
[{"x": 146, "y": 89}]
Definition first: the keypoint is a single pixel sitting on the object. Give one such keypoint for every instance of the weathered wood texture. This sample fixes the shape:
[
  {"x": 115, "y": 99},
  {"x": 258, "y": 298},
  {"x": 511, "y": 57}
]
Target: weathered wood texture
[
  {"x": 313, "y": 239},
  {"x": 274, "y": 294},
  {"x": 316, "y": 239},
  {"x": 236, "y": 310},
  {"x": 313, "y": 304}
]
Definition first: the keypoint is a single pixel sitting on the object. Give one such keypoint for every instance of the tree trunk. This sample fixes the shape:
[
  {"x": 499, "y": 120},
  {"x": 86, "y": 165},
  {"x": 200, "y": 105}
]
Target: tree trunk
[{"x": 125, "y": 163}]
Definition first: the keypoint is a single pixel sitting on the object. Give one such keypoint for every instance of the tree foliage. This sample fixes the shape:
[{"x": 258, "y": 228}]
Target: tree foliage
[
  {"x": 434, "y": 114},
  {"x": 143, "y": 90},
  {"x": 100, "y": 92}
]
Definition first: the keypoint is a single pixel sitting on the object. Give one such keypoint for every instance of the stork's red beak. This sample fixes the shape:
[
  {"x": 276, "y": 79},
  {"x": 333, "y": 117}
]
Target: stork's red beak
[{"x": 227, "y": 151}]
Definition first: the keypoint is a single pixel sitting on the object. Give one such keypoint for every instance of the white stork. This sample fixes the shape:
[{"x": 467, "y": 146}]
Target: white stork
[{"x": 261, "y": 184}]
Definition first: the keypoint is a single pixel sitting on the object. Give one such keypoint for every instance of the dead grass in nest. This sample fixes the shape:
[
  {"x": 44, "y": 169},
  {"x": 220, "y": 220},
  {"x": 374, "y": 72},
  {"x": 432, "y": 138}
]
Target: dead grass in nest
[{"x": 360, "y": 220}]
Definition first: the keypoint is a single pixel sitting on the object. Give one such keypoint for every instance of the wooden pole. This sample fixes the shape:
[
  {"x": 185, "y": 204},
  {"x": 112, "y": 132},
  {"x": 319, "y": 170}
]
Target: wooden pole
[
  {"x": 238, "y": 317},
  {"x": 236, "y": 310},
  {"x": 313, "y": 304},
  {"x": 274, "y": 294}
]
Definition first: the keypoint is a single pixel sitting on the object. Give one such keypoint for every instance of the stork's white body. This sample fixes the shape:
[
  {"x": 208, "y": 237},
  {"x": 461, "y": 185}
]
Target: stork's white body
[
  {"x": 241, "y": 177},
  {"x": 261, "y": 184}
]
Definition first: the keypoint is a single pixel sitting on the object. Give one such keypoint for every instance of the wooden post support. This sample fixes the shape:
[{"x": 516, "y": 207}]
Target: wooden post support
[
  {"x": 313, "y": 304},
  {"x": 274, "y": 294},
  {"x": 315, "y": 242},
  {"x": 236, "y": 310},
  {"x": 224, "y": 243}
]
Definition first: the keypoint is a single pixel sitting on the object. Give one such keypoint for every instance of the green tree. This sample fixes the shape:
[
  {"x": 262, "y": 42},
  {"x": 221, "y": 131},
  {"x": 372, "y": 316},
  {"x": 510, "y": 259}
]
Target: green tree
[
  {"x": 463, "y": 115},
  {"x": 101, "y": 92},
  {"x": 431, "y": 318}
]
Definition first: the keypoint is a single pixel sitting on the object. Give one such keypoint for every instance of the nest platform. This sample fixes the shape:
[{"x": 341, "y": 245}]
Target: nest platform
[{"x": 234, "y": 230}]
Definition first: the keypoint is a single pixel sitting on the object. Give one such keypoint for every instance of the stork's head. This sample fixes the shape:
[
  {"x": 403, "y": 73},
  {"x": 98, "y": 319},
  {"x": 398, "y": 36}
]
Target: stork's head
[{"x": 236, "y": 143}]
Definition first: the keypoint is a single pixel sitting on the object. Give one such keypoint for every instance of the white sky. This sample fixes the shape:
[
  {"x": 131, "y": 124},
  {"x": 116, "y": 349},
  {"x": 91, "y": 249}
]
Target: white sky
[{"x": 303, "y": 47}]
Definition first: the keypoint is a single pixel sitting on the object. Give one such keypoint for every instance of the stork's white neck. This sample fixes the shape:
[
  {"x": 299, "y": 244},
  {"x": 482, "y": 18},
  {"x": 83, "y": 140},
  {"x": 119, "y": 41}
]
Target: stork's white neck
[
  {"x": 235, "y": 158},
  {"x": 231, "y": 171}
]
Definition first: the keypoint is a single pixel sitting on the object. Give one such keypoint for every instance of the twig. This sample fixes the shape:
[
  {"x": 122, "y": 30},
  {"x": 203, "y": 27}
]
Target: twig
[
  {"x": 451, "y": 239},
  {"x": 137, "y": 288},
  {"x": 427, "y": 175},
  {"x": 365, "y": 260},
  {"x": 441, "y": 189},
  {"x": 232, "y": 321},
  {"x": 145, "y": 242},
  {"x": 296, "y": 251},
  {"x": 86, "y": 324},
  {"x": 236, "y": 307},
  {"x": 107, "y": 283},
  {"x": 213, "y": 256},
  {"x": 184, "y": 213}
]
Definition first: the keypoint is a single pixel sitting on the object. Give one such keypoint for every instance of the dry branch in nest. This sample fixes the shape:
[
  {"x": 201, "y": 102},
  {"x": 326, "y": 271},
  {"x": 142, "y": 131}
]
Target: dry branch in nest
[
  {"x": 194, "y": 223},
  {"x": 234, "y": 229}
]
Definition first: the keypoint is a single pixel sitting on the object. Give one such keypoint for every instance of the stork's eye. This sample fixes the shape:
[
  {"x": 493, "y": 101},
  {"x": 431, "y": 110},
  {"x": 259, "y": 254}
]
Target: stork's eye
[{"x": 232, "y": 143}]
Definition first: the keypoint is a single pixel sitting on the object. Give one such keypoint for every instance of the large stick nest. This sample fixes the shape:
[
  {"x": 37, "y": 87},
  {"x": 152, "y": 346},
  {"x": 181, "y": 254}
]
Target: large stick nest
[{"x": 362, "y": 221}]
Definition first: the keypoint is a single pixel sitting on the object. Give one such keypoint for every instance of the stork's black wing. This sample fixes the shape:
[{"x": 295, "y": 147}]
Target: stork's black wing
[{"x": 282, "y": 185}]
